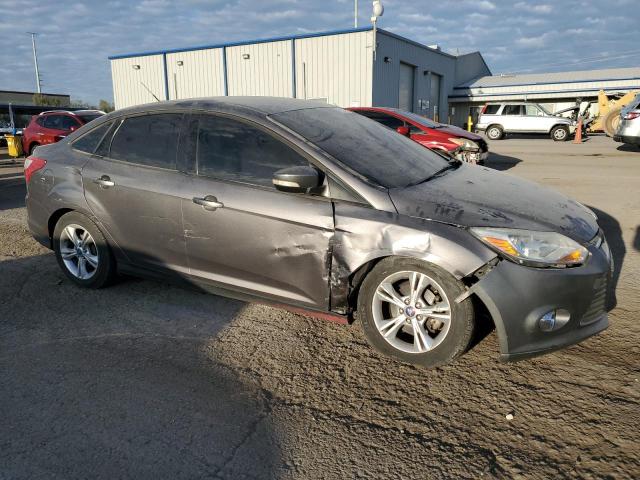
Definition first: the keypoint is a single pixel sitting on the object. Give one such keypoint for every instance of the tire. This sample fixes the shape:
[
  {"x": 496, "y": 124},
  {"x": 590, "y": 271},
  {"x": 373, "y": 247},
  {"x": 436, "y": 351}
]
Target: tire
[
  {"x": 74, "y": 225},
  {"x": 560, "y": 133},
  {"x": 447, "y": 341},
  {"x": 495, "y": 132}
]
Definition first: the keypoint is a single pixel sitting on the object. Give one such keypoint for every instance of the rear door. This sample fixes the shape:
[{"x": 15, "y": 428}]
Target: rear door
[
  {"x": 257, "y": 240},
  {"x": 512, "y": 118},
  {"x": 133, "y": 185},
  {"x": 535, "y": 120}
]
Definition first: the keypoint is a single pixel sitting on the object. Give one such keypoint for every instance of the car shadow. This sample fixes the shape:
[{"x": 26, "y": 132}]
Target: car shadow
[
  {"x": 626, "y": 147},
  {"x": 613, "y": 233},
  {"x": 636, "y": 239},
  {"x": 89, "y": 391},
  {"x": 501, "y": 162}
]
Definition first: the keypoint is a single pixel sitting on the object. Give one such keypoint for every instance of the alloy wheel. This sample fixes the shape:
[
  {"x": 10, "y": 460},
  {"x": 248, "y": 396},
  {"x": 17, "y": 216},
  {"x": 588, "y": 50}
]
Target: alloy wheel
[
  {"x": 79, "y": 251},
  {"x": 411, "y": 312}
]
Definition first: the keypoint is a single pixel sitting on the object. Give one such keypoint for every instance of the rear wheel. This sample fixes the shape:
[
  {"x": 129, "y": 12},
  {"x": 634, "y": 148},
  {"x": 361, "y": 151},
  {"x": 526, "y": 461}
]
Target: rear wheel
[
  {"x": 82, "y": 251},
  {"x": 560, "y": 133},
  {"x": 408, "y": 312},
  {"x": 495, "y": 132}
]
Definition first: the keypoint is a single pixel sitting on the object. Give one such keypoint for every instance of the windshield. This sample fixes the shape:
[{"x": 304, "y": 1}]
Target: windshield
[
  {"x": 87, "y": 117},
  {"x": 371, "y": 149}
]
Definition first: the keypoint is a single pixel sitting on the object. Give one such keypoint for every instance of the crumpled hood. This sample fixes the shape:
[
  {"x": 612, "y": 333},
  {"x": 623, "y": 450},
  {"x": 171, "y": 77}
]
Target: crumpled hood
[{"x": 473, "y": 196}]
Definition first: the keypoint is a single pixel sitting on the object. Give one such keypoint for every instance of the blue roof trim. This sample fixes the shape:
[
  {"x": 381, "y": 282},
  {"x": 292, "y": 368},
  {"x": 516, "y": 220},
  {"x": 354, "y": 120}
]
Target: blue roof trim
[
  {"x": 544, "y": 92},
  {"x": 547, "y": 83},
  {"x": 247, "y": 42}
]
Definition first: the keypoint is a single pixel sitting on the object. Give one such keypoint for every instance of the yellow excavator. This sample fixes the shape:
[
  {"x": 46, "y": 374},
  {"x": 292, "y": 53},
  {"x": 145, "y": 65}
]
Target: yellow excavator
[{"x": 609, "y": 111}]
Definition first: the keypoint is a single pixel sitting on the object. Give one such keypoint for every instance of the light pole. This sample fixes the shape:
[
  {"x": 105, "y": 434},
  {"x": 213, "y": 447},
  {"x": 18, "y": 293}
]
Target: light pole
[
  {"x": 35, "y": 59},
  {"x": 355, "y": 14},
  {"x": 378, "y": 11}
]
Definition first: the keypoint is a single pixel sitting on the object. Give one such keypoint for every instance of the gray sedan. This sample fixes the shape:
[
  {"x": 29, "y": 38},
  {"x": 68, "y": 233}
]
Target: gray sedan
[{"x": 308, "y": 205}]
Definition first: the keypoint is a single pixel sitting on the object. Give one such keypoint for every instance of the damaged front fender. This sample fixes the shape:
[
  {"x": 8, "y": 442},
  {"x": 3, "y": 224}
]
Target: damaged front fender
[{"x": 364, "y": 234}]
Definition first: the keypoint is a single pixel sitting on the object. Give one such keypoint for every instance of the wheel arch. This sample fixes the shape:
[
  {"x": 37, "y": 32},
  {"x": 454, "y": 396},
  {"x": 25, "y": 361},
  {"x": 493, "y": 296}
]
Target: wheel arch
[{"x": 53, "y": 220}]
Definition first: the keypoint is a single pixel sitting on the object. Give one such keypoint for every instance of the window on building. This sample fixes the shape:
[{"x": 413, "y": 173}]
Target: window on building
[
  {"x": 232, "y": 150},
  {"x": 150, "y": 140}
]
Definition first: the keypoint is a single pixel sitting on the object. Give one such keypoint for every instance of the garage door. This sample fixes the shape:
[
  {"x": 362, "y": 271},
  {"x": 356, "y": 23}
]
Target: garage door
[{"x": 405, "y": 94}]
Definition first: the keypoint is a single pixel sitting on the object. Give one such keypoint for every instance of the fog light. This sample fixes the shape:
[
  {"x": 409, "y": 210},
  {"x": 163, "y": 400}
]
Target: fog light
[{"x": 553, "y": 320}]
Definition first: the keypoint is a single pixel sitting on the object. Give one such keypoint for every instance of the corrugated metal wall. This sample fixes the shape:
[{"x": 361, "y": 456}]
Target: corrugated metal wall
[
  {"x": 200, "y": 74},
  {"x": 386, "y": 74},
  {"x": 267, "y": 70},
  {"x": 337, "y": 68},
  {"x": 129, "y": 83}
]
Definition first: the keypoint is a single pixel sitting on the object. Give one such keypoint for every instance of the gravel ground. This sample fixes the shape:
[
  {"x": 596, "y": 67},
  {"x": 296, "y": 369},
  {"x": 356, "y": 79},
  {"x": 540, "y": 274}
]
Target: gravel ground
[{"x": 145, "y": 380}]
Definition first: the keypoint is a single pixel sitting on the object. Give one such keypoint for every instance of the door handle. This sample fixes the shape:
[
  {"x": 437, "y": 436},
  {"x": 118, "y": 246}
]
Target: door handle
[
  {"x": 209, "y": 202},
  {"x": 104, "y": 181}
]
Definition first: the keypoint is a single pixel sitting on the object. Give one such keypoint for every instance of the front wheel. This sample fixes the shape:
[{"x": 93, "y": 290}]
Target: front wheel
[
  {"x": 82, "y": 251},
  {"x": 560, "y": 133},
  {"x": 408, "y": 312}
]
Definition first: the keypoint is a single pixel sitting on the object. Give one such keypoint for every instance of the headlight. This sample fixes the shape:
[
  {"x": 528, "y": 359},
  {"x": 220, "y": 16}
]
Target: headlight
[
  {"x": 540, "y": 249},
  {"x": 465, "y": 143}
]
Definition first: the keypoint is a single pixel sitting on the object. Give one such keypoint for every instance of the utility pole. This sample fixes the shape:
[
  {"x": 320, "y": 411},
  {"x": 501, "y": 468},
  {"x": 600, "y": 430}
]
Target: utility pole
[
  {"x": 35, "y": 59},
  {"x": 355, "y": 14}
]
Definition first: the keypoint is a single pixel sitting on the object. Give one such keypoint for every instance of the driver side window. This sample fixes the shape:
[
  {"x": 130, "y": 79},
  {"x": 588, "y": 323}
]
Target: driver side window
[{"x": 228, "y": 149}]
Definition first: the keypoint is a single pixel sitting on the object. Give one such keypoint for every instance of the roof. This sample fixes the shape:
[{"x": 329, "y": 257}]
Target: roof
[
  {"x": 508, "y": 80},
  {"x": 257, "y": 106},
  {"x": 247, "y": 42}
]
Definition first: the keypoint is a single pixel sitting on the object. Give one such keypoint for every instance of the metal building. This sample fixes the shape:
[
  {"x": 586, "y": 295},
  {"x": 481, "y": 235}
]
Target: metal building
[
  {"x": 340, "y": 67},
  {"x": 554, "y": 90}
]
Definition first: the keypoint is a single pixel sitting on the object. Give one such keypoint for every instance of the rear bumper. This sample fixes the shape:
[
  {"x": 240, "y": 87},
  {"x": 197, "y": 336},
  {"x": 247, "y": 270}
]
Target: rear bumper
[
  {"x": 517, "y": 296},
  {"x": 38, "y": 221}
]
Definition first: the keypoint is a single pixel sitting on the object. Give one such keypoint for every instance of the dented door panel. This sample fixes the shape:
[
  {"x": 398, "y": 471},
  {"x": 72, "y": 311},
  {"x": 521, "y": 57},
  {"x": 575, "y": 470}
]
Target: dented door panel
[{"x": 263, "y": 242}]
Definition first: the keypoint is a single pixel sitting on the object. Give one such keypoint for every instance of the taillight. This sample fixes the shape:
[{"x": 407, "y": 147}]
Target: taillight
[
  {"x": 631, "y": 115},
  {"x": 32, "y": 165}
]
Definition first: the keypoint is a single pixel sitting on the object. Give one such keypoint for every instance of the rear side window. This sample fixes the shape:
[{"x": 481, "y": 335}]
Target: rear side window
[
  {"x": 512, "y": 110},
  {"x": 66, "y": 122},
  {"x": 89, "y": 142},
  {"x": 491, "y": 109},
  {"x": 40, "y": 121},
  {"x": 53, "y": 122},
  {"x": 150, "y": 140},
  {"x": 384, "y": 119},
  {"x": 232, "y": 150}
]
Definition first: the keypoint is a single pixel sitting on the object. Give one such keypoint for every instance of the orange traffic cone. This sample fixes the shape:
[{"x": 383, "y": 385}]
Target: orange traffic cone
[{"x": 578, "y": 138}]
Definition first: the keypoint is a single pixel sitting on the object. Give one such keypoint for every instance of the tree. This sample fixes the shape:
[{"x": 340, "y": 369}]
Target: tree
[
  {"x": 46, "y": 101},
  {"x": 106, "y": 106}
]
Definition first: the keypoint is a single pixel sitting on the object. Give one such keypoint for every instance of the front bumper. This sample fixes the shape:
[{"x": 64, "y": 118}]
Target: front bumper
[{"x": 517, "y": 296}]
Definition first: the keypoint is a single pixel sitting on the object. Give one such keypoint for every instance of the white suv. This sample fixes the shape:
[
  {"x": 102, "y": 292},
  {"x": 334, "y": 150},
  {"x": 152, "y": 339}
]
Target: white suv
[{"x": 497, "y": 119}]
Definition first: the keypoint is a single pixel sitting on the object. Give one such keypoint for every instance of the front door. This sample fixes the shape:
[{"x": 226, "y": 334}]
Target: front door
[
  {"x": 133, "y": 187},
  {"x": 243, "y": 234}
]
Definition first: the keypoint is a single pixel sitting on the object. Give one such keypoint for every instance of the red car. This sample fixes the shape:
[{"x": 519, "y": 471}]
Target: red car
[
  {"x": 454, "y": 141},
  {"x": 52, "y": 126}
]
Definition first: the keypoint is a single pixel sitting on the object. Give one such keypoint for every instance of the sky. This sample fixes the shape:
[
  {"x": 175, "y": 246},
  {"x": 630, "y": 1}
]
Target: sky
[{"x": 76, "y": 37}]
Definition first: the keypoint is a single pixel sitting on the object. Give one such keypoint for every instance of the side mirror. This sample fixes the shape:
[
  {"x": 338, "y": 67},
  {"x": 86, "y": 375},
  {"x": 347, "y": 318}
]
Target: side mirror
[
  {"x": 403, "y": 131},
  {"x": 297, "y": 179}
]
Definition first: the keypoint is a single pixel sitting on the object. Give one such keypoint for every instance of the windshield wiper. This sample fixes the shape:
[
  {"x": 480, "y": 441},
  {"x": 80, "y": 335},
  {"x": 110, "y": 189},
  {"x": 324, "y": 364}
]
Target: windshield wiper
[{"x": 452, "y": 165}]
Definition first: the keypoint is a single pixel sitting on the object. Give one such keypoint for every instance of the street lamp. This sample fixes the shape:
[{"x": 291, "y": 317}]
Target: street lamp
[
  {"x": 35, "y": 59},
  {"x": 378, "y": 11}
]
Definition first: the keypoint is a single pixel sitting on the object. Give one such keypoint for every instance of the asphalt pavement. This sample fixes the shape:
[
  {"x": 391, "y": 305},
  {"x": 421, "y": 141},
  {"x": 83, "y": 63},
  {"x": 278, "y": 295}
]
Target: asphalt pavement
[{"x": 146, "y": 380}]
